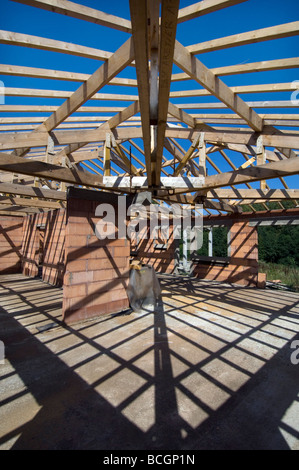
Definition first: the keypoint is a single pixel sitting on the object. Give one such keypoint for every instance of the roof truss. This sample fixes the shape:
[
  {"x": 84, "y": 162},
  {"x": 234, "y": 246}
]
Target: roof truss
[{"x": 178, "y": 140}]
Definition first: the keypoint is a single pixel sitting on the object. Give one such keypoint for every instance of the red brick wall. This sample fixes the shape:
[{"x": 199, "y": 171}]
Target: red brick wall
[
  {"x": 148, "y": 251},
  {"x": 52, "y": 239},
  {"x": 10, "y": 244},
  {"x": 242, "y": 267},
  {"x": 97, "y": 271}
]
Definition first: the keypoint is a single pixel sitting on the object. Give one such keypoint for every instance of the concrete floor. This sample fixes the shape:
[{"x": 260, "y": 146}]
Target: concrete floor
[{"x": 210, "y": 370}]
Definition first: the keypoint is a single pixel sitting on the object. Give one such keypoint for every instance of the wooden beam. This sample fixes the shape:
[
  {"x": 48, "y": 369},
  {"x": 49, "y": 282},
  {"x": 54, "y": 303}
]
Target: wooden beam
[
  {"x": 118, "y": 61},
  {"x": 204, "y": 7},
  {"x": 139, "y": 19},
  {"x": 257, "y": 173},
  {"x": 107, "y": 155},
  {"x": 114, "y": 65},
  {"x": 187, "y": 155},
  {"x": 81, "y": 12},
  {"x": 21, "y": 201},
  {"x": 283, "y": 140},
  {"x": 257, "y": 194},
  {"x": 264, "y": 88},
  {"x": 46, "y": 44},
  {"x": 14, "y": 108},
  {"x": 113, "y": 122},
  {"x": 181, "y": 115},
  {"x": 265, "y": 34},
  {"x": 249, "y": 104},
  {"x": 34, "y": 72},
  {"x": 215, "y": 205},
  {"x": 57, "y": 173},
  {"x": 262, "y": 66},
  {"x": 169, "y": 15},
  {"x": 221, "y": 206},
  {"x": 39, "y": 139},
  {"x": 32, "y": 92},
  {"x": 199, "y": 72},
  {"x": 22, "y": 190}
]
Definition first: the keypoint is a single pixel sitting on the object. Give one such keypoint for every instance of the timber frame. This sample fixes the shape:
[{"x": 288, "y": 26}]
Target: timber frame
[{"x": 86, "y": 143}]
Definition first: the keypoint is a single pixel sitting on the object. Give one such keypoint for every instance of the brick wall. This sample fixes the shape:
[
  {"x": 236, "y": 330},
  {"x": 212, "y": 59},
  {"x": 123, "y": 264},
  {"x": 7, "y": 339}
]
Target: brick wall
[
  {"x": 159, "y": 253},
  {"x": 43, "y": 245},
  {"x": 10, "y": 244},
  {"x": 97, "y": 271},
  {"x": 241, "y": 266}
]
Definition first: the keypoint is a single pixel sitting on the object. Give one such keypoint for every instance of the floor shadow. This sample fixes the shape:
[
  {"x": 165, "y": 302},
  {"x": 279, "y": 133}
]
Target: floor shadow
[{"x": 150, "y": 397}]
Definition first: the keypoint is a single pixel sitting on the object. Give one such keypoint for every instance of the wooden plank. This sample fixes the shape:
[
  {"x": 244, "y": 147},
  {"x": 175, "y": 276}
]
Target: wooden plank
[
  {"x": 247, "y": 138},
  {"x": 169, "y": 15},
  {"x": 257, "y": 173},
  {"x": 261, "y": 88},
  {"x": 35, "y": 72},
  {"x": 139, "y": 19},
  {"x": 187, "y": 155},
  {"x": 204, "y": 7},
  {"x": 52, "y": 109},
  {"x": 18, "y": 140},
  {"x": 81, "y": 12},
  {"x": 199, "y": 72},
  {"x": 222, "y": 206},
  {"x": 181, "y": 115},
  {"x": 262, "y": 66},
  {"x": 249, "y": 104},
  {"x": 36, "y": 93},
  {"x": 251, "y": 37},
  {"x": 25, "y": 202},
  {"x": 22, "y": 190},
  {"x": 130, "y": 168},
  {"x": 253, "y": 194},
  {"x": 53, "y": 172},
  {"x": 46, "y": 44},
  {"x": 107, "y": 155}
]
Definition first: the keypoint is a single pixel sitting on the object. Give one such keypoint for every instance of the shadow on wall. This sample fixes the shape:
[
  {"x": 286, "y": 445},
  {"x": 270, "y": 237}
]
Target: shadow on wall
[
  {"x": 43, "y": 246},
  {"x": 190, "y": 376},
  {"x": 10, "y": 244}
]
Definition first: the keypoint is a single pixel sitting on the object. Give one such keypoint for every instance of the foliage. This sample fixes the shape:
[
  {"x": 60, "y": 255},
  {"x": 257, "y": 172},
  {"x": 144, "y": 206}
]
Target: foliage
[
  {"x": 279, "y": 244},
  {"x": 219, "y": 242},
  {"x": 287, "y": 275}
]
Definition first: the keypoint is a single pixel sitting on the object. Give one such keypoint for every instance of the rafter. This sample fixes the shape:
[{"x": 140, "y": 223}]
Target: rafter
[
  {"x": 199, "y": 72},
  {"x": 81, "y": 12},
  {"x": 23, "y": 190},
  {"x": 265, "y": 34},
  {"x": 204, "y": 7},
  {"x": 27, "y": 40},
  {"x": 34, "y": 72},
  {"x": 35, "y": 168},
  {"x": 139, "y": 16},
  {"x": 257, "y": 173}
]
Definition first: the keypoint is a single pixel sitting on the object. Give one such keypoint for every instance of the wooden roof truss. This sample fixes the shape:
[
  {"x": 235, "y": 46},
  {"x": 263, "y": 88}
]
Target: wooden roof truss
[{"x": 100, "y": 148}]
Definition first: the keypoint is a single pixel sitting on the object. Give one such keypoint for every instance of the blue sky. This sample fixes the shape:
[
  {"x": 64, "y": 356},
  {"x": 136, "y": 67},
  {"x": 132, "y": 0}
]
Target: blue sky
[{"x": 247, "y": 16}]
